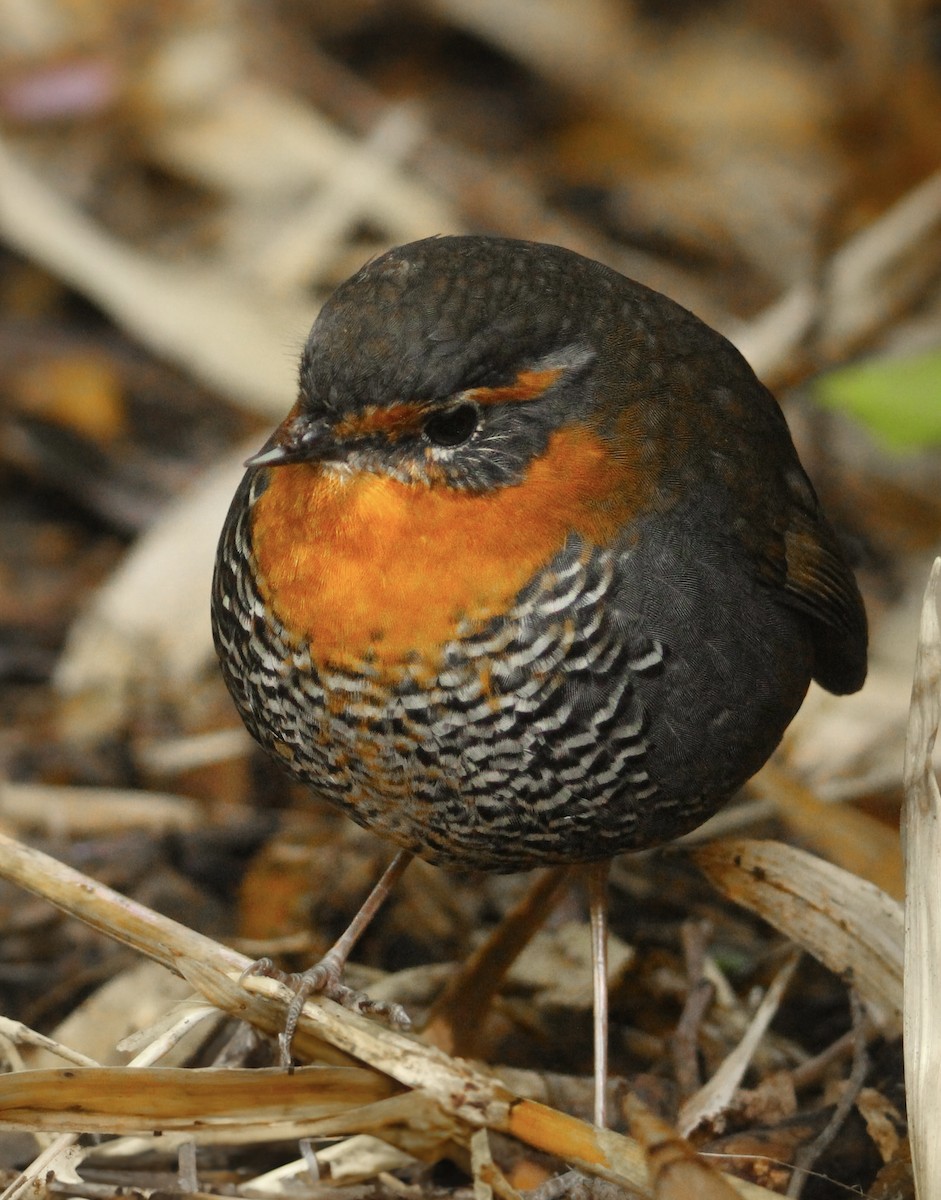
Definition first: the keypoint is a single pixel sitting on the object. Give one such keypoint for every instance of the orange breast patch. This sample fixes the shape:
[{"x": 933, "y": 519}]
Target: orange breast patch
[{"x": 370, "y": 565}]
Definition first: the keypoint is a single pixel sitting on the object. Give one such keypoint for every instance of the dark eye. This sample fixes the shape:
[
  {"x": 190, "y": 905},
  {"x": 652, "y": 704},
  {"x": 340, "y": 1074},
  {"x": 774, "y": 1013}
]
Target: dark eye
[{"x": 453, "y": 426}]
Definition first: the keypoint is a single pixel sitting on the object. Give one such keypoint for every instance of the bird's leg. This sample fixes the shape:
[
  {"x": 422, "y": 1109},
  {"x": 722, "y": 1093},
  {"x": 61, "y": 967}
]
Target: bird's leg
[
  {"x": 598, "y": 910},
  {"x": 324, "y": 978}
]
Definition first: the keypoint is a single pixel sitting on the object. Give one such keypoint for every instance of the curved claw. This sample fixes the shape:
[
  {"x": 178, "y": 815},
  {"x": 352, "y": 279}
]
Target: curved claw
[
  {"x": 265, "y": 967},
  {"x": 323, "y": 979}
]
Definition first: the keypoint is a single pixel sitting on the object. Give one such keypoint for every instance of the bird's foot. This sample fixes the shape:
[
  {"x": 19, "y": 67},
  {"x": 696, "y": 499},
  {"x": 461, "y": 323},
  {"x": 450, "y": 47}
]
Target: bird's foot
[
  {"x": 323, "y": 979},
  {"x": 573, "y": 1185}
]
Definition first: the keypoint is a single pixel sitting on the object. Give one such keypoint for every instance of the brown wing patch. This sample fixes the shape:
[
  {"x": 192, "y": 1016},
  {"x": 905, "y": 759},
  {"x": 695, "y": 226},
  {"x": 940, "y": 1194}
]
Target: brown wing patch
[
  {"x": 820, "y": 583},
  {"x": 819, "y": 578}
]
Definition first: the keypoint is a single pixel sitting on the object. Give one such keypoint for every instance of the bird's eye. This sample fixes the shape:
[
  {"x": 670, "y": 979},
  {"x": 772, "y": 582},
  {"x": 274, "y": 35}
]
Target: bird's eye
[{"x": 453, "y": 426}]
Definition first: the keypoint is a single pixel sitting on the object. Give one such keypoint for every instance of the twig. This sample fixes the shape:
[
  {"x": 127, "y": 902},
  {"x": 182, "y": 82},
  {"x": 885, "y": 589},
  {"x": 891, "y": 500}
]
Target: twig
[
  {"x": 699, "y": 996},
  {"x": 921, "y": 823},
  {"x": 463, "y": 1096},
  {"x": 808, "y": 1155},
  {"x": 717, "y": 1093},
  {"x": 456, "y": 1016}
]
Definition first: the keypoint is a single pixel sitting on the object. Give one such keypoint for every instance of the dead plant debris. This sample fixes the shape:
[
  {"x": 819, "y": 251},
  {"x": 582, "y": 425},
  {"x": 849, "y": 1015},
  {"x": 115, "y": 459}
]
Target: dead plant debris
[{"x": 180, "y": 186}]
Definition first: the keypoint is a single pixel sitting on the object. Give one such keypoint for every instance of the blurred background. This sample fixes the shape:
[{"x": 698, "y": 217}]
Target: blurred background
[{"x": 182, "y": 183}]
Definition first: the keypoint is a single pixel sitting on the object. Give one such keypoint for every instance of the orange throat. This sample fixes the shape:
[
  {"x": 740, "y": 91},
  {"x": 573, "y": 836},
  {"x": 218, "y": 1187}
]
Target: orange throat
[{"x": 367, "y": 567}]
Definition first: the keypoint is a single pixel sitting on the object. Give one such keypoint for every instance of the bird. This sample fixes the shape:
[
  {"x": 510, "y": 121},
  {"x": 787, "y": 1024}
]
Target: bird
[{"x": 530, "y": 573}]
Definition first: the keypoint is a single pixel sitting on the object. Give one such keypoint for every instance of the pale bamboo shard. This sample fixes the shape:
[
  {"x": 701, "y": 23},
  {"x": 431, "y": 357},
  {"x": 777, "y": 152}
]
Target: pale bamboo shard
[{"x": 922, "y": 838}]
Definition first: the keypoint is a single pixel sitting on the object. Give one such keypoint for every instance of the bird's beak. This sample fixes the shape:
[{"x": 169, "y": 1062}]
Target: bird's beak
[{"x": 299, "y": 438}]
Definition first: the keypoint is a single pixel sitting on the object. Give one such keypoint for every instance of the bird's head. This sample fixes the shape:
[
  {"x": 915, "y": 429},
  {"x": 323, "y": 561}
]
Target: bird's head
[{"x": 449, "y": 361}]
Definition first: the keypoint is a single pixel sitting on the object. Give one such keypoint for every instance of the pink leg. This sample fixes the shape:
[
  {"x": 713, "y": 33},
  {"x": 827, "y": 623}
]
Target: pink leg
[
  {"x": 598, "y": 909},
  {"x": 325, "y": 977}
]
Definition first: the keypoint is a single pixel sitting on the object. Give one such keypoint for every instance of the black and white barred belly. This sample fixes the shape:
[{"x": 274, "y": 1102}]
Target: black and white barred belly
[{"x": 526, "y": 743}]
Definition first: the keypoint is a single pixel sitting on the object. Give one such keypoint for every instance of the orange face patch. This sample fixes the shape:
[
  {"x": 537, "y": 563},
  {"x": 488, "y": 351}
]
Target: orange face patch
[{"x": 370, "y": 565}]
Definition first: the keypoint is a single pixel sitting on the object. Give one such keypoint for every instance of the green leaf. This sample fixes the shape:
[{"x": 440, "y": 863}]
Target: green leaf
[{"x": 898, "y": 399}]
